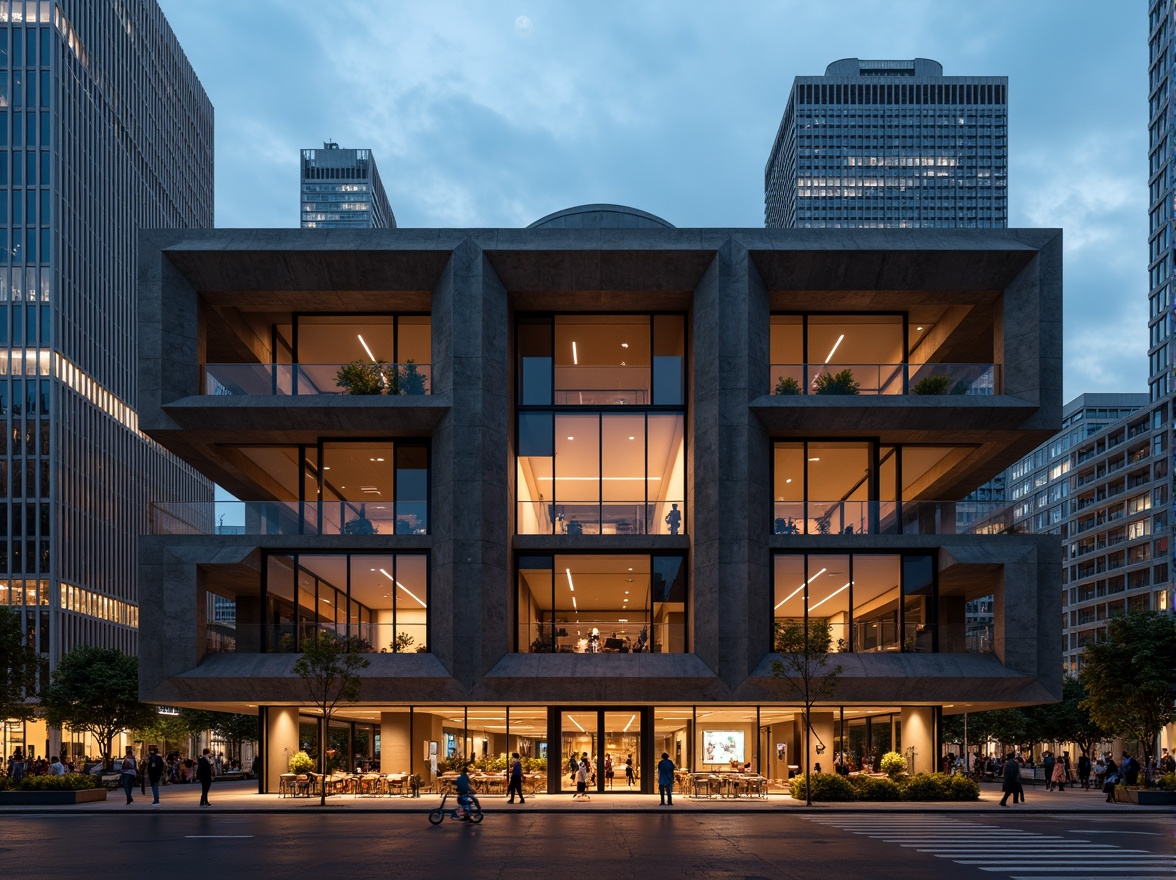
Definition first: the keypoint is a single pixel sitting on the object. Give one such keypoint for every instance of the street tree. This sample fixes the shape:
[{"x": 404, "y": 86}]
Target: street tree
[
  {"x": 165, "y": 731},
  {"x": 803, "y": 665},
  {"x": 230, "y": 727},
  {"x": 18, "y": 669},
  {"x": 1129, "y": 674},
  {"x": 329, "y": 666},
  {"x": 96, "y": 690}
]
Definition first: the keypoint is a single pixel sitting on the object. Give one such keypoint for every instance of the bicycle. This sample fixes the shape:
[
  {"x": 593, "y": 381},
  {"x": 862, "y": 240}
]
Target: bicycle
[{"x": 473, "y": 811}]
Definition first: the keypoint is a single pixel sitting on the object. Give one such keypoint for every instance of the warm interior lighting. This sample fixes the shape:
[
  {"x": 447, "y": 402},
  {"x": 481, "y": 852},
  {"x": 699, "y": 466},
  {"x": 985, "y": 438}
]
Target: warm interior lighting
[
  {"x": 572, "y": 718},
  {"x": 830, "y": 596},
  {"x": 798, "y": 589},
  {"x": 626, "y": 730},
  {"x": 624, "y": 345},
  {"x": 574, "y": 606},
  {"x": 834, "y": 348},
  {"x": 403, "y": 587},
  {"x": 571, "y": 586},
  {"x": 815, "y": 459},
  {"x": 369, "y": 351},
  {"x": 575, "y": 357}
]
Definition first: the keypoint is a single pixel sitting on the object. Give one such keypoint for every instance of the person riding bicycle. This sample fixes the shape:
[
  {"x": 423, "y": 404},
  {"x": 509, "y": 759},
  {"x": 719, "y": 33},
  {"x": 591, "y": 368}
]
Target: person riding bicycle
[{"x": 464, "y": 795}]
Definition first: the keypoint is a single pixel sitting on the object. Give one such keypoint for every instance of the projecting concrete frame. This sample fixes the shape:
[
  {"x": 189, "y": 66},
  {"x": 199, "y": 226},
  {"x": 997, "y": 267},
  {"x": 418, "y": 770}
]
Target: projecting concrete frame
[{"x": 202, "y": 292}]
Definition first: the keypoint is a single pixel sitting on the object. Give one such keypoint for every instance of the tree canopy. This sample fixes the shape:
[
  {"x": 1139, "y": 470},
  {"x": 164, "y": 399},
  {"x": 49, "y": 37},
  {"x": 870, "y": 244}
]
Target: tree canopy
[
  {"x": 97, "y": 690},
  {"x": 18, "y": 669},
  {"x": 1129, "y": 676},
  {"x": 803, "y": 665},
  {"x": 330, "y": 666}
]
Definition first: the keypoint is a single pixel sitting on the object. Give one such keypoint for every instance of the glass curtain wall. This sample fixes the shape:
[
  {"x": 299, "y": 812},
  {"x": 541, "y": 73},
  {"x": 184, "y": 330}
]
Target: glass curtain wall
[
  {"x": 379, "y": 599},
  {"x": 601, "y": 604},
  {"x": 872, "y": 602}
]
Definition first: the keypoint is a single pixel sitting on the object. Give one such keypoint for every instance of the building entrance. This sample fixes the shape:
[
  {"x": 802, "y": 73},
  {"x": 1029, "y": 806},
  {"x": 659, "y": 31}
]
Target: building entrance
[{"x": 615, "y": 737}]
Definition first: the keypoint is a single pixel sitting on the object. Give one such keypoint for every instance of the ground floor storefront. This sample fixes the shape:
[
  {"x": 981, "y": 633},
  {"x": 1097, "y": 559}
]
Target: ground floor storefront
[{"x": 395, "y": 749}]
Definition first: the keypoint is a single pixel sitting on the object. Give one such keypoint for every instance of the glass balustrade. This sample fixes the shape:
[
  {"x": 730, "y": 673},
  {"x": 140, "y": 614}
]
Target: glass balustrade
[
  {"x": 355, "y": 379},
  {"x": 880, "y": 379}
]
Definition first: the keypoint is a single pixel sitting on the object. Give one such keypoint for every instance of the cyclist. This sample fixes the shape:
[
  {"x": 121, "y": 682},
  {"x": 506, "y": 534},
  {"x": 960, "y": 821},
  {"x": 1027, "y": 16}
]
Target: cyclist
[{"x": 464, "y": 796}]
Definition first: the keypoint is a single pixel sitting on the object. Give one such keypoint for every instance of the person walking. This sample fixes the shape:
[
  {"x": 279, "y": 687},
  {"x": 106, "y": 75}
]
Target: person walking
[
  {"x": 583, "y": 774},
  {"x": 1011, "y": 776},
  {"x": 155, "y": 767},
  {"x": 1047, "y": 764},
  {"x": 130, "y": 770},
  {"x": 516, "y": 778},
  {"x": 608, "y": 771},
  {"x": 1059, "y": 775},
  {"x": 17, "y": 766},
  {"x": 629, "y": 777},
  {"x": 204, "y": 774},
  {"x": 1129, "y": 770},
  {"x": 1110, "y": 779},
  {"x": 1084, "y": 770},
  {"x": 665, "y": 780}
]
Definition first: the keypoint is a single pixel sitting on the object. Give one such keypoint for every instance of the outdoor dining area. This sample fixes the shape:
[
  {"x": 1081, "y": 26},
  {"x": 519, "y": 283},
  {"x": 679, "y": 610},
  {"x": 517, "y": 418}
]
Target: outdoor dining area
[
  {"x": 371, "y": 784},
  {"x": 711, "y": 784}
]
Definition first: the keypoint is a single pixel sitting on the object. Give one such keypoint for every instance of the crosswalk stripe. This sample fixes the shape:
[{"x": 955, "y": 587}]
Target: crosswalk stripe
[{"x": 1047, "y": 856}]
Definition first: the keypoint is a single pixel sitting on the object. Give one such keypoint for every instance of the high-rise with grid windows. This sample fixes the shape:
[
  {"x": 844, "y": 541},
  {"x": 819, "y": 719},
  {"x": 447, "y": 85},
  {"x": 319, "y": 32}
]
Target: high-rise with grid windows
[
  {"x": 104, "y": 130},
  {"x": 884, "y": 144},
  {"x": 341, "y": 189}
]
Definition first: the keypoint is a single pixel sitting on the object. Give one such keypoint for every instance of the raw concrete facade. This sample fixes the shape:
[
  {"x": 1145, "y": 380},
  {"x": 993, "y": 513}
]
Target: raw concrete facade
[{"x": 207, "y": 297}]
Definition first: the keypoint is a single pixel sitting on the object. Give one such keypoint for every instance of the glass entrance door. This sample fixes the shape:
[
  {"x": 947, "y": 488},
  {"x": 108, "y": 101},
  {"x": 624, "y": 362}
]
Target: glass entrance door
[
  {"x": 579, "y": 736},
  {"x": 622, "y": 749}
]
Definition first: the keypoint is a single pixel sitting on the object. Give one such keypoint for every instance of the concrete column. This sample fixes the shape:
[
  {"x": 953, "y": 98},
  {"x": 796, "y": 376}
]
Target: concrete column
[
  {"x": 281, "y": 741},
  {"x": 918, "y": 730},
  {"x": 395, "y": 742},
  {"x": 824, "y": 728}
]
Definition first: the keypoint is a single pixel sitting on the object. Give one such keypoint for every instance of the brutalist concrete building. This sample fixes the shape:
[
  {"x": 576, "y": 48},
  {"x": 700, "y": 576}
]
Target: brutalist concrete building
[{"x": 562, "y": 483}]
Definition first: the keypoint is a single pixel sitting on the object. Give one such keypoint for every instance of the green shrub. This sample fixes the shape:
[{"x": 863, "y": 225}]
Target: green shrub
[
  {"x": 410, "y": 380},
  {"x": 826, "y": 787},
  {"x": 360, "y": 378},
  {"x": 300, "y": 762},
  {"x": 870, "y": 788},
  {"x": 68, "y": 782},
  {"x": 926, "y": 787},
  {"x": 964, "y": 789},
  {"x": 938, "y": 383},
  {"x": 837, "y": 383},
  {"x": 786, "y": 385},
  {"x": 892, "y": 764},
  {"x": 1168, "y": 781}
]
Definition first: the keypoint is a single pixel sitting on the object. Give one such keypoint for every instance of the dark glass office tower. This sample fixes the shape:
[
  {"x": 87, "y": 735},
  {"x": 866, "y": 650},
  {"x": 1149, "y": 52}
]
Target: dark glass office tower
[
  {"x": 884, "y": 144},
  {"x": 341, "y": 189},
  {"x": 104, "y": 130}
]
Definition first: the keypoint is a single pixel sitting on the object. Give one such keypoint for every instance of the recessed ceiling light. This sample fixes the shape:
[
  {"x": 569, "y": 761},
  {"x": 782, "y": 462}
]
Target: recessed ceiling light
[
  {"x": 626, "y": 592},
  {"x": 815, "y": 459},
  {"x": 624, "y": 345},
  {"x": 630, "y": 569},
  {"x": 789, "y": 480},
  {"x": 919, "y": 328},
  {"x": 327, "y": 468},
  {"x": 571, "y": 438},
  {"x": 632, "y": 438}
]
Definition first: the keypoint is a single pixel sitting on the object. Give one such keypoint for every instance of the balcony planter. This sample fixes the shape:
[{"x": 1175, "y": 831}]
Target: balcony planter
[
  {"x": 787, "y": 386},
  {"x": 842, "y": 382},
  {"x": 51, "y": 798}
]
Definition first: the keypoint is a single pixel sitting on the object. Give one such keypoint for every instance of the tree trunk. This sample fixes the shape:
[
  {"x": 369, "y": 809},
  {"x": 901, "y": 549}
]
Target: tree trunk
[
  {"x": 808, "y": 779},
  {"x": 326, "y": 726}
]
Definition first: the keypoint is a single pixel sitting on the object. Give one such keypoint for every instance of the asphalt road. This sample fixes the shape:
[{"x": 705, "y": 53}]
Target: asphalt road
[{"x": 567, "y": 846}]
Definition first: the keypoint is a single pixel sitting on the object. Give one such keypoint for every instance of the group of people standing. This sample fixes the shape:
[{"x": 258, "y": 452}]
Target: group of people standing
[{"x": 1107, "y": 774}]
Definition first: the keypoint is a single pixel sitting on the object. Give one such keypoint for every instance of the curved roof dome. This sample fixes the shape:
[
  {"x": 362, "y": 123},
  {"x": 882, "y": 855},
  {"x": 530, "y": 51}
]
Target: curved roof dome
[{"x": 600, "y": 217}]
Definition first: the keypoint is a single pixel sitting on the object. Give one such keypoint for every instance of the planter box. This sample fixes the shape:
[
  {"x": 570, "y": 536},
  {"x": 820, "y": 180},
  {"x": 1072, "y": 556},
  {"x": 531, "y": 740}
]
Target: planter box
[
  {"x": 1146, "y": 797},
  {"x": 51, "y": 798}
]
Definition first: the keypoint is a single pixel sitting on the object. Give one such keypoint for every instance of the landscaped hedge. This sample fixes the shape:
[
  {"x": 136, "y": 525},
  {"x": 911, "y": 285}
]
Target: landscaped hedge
[
  {"x": 68, "y": 782},
  {"x": 920, "y": 787}
]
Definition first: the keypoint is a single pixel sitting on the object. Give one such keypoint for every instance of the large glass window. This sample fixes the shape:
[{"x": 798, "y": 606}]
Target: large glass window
[
  {"x": 601, "y": 360},
  {"x": 360, "y": 487},
  {"x": 854, "y": 487},
  {"x": 379, "y": 599},
  {"x": 872, "y": 602},
  {"x": 601, "y": 473},
  {"x": 601, "y": 604}
]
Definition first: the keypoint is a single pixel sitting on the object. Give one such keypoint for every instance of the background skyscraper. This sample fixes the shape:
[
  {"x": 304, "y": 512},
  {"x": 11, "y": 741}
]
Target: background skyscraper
[
  {"x": 341, "y": 189},
  {"x": 879, "y": 144},
  {"x": 106, "y": 130}
]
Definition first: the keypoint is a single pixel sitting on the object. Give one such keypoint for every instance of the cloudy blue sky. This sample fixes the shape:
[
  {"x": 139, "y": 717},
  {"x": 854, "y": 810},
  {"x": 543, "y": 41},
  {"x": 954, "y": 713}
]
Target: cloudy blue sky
[{"x": 479, "y": 119}]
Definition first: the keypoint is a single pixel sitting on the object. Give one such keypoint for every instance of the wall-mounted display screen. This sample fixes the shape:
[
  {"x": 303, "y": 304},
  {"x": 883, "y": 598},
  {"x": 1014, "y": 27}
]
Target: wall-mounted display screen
[{"x": 722, "y": 746}]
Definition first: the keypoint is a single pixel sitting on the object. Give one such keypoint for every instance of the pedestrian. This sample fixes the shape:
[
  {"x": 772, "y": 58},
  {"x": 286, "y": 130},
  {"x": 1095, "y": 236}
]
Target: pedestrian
[
  {"x": 608, "y": 771},
  {"x": 56, "y": 768},
  {"x": 17, "y": 766},
  {"x": 130, "y": 770},
  {"x": 1047, "y": 764},
  {"x": 629, "y": 777},
  {"x": 204, "y": 774},
  {"x": 155, "y": 769},
  {"x": 1111, "y": 779},
  {"x": 1129, "y": 770},
  {"x": 1059, "y": 775},
  {"x": 1084, "y": 770},
  {"x": 1167, "y": 763},
  {"x": 1011, "y": 776},
  {"x": 516, "y": 778},
  {"x": 665, "y": 780},
  {"x": 583, "y": 774}
]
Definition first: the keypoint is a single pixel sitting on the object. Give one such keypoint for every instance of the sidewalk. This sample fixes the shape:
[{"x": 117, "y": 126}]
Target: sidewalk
[{"x": 240, "y": 796}]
